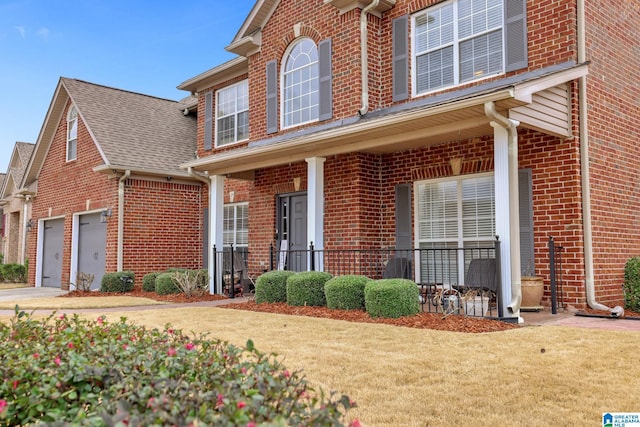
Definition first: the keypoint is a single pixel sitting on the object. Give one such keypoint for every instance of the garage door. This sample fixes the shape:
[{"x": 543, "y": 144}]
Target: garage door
[
  {"x": 52, "y": 240},
  {"x": 92, "y": 243}
]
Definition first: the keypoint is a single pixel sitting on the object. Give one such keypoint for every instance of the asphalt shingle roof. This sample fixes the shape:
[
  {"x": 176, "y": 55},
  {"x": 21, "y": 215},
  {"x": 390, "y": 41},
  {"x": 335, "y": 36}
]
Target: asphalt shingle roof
[{"x": 135, "y": 130}]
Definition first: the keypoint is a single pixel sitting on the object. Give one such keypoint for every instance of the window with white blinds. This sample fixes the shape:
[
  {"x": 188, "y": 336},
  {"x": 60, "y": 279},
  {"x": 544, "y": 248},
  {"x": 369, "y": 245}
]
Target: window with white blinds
[
  {"x": 456, "y": 42},
  {"x": 236, "y": 225},
  {"x": 453, "y": 213},
  {"x": 232, "y": 114}
]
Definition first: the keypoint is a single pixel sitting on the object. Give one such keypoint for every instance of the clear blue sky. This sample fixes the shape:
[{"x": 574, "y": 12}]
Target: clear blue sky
[{"x": 142, "y": 46}]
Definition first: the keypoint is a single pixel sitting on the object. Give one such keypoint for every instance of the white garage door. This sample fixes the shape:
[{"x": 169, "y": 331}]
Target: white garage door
[
  {"x": 52, "y": 246},
  {"x": 92, "y": 243}
]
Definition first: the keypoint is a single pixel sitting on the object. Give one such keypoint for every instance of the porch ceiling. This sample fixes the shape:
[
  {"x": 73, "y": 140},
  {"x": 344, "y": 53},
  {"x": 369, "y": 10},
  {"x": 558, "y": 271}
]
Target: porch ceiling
[{"x": 391, "y": 130}]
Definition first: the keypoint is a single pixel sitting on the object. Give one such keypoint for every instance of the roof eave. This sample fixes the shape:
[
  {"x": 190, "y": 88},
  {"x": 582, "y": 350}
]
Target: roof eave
[{"x": 224, "y": 72}]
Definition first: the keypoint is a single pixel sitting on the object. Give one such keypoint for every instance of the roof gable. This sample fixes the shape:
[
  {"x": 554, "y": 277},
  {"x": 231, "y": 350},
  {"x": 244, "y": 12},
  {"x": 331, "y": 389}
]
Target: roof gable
[
  {"x": 130, "y": 130},
  {"x": 17, "y": 167}
]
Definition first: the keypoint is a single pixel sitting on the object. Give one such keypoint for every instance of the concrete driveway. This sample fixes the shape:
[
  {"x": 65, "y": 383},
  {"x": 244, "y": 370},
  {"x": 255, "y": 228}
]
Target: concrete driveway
[{"x": 27, "y": 293}]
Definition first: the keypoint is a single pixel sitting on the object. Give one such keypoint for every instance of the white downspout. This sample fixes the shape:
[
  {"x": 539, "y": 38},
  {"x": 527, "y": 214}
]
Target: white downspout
[
  {"x": 25, "y": 221},
  {"x": 584, "y": 162},
  {"x": 364, "y": 57},
  {"x": 514, "y": 208},
  {"x": 120, "y": 254}
]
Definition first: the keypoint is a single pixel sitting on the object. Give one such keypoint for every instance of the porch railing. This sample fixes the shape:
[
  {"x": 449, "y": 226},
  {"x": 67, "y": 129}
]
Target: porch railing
[{"x": 450, "y": 280}]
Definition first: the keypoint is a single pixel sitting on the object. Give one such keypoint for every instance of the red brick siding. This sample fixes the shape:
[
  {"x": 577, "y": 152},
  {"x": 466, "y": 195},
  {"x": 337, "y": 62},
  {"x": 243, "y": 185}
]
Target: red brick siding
[{"x": 163, "y": 225}]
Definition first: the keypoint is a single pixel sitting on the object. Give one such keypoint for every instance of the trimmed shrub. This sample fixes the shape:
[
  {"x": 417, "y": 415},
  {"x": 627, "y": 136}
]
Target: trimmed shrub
[
  {"x": 307, "y": 288},
  {"x": 165, "y": 284},
  {"x": 632, "y": 284},
  {"x": 13, "y": 273},
  {"x": 346, "y": 292},
  {"x": 121, "y": 281},
  {"x": 132, "y": 375},
  {"x": 272, "y": 286},
  {"x": 391, "y": 298},
  {"x": 149, "y": 282}
]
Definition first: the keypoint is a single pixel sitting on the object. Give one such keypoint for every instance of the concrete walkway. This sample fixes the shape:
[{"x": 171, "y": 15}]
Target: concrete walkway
[{"x": 543, "y": 317}]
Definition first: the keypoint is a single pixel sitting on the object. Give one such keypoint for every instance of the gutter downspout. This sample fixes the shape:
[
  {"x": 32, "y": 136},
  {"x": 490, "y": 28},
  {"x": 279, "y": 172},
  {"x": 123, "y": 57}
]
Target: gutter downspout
[
  {"x": 585, "y": 175},
  {"x": 514, "y": 208},
  {"x": 364, "y": 57},
  {"x": 120, "y": 254},
  {"x": 210, "y": 254}
]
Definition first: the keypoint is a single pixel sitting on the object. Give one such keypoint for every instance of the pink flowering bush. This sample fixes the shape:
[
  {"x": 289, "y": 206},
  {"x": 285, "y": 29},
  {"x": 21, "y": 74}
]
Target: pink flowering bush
[{"x": 62, "y": 370}]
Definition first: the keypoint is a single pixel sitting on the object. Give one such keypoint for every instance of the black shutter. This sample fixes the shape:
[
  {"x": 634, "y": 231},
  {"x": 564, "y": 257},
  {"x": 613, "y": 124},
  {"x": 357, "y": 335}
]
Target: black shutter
[
  {"x": 324, "y": 68},
  {"x": 515, "y": 34},
  {"x": 525, "y": 192},
  {"x": 208, "y": 120},
  {"x": 403, "y": 216},
  {"x": 400, "y": 66},
  {"x": 272, "y": 96}
]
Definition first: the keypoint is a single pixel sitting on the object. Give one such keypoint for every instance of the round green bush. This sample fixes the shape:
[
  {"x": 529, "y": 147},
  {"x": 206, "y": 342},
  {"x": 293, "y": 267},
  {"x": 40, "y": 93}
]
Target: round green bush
[
  {"x": 165, "y": 284},
  {"x": 307, "y": 288},
  {"x": 632, "y": 284},
  {"x": 121, "y": 281},
  {"x": 391, "y": 298},
  {"x": 346, "y": 292},
  {"x": 149, "y": 282},
  {"x": 272, "y": 286},
  {"x": 137, "y": 376}
]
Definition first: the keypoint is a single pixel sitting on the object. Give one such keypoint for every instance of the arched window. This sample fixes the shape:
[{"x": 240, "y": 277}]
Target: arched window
[
  {"x": 72, "y": 133},
  {"x": 300, "y": 84}
]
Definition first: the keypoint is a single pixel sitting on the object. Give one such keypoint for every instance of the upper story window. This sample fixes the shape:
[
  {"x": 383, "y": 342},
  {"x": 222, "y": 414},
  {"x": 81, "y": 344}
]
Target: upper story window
[
  {"x": 232, "y": 114},
  {"x": 72, "y": 133},
  {"x": 300, "y": 84},
  {"x": 457, "y": 42}
]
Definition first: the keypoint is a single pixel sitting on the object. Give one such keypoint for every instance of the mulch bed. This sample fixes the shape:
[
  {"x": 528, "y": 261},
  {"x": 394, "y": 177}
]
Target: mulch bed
[{"x": 455, "y": 323}]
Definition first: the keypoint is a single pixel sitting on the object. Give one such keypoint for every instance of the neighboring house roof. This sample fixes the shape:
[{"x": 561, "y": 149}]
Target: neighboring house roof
[
  {"x": 132, "y": 131},
  {"x": 17, "y": 166}
]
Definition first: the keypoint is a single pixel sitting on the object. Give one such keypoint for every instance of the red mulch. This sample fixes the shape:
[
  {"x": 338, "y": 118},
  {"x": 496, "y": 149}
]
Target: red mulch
[
  {"x": 627, "y": 313},
  {"x": 457, "y": 323}
]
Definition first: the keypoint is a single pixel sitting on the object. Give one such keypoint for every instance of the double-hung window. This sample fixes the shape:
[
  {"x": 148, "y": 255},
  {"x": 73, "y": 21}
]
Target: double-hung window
[
  {"x": 453, "y": 213},
  {"x": 457, "y": 42},
  {"x": 300, "y": 84},
  {"x": 236, "y": 225},
  {"x": 232, "y": 114},
  {"x": 72, "y": 133}
]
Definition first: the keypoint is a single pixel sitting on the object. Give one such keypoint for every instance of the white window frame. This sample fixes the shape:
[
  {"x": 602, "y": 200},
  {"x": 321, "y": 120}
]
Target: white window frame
[
  {"x": 455, "y": 43},
  {"x": 314, "y": 67},
  {"x": 72, "y": 139},
  {"x": 236, "y": 111},
  {"x": 234, "y": 207},
  {"x": 459, "y": 241}
]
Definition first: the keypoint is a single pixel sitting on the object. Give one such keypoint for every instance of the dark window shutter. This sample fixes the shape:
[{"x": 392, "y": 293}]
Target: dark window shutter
[
  {"x": 525, "y": 191},
  {"x": 400, "y": 34},
  {"x": 205, "y": 239},
  {"x": 272, "y": 96},
  {"x": 324, "y": 68},
  {"x": 515, "y": 34},
  {"x": 208, "y": 120},
  {"x": 403, "y": 216}
]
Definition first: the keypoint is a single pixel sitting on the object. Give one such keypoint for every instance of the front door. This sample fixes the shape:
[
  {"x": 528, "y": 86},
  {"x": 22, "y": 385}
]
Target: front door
[{"x": 292, "y": 232}]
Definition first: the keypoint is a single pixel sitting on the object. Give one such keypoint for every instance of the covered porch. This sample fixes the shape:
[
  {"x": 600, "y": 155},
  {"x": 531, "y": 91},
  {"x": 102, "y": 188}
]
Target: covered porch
[{"x": 538, "y": 100}]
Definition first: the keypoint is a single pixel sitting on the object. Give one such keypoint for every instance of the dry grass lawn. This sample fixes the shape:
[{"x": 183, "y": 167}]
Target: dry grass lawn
[
  {"x": 12, "y": 285},
  {"x": 55, "y": 303},
  {"x": 416, "y": 377}
]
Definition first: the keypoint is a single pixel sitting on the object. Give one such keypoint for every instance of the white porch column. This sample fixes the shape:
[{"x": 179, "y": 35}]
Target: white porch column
[
  {"x": 503, "y": 223},
  {"x": 216, "y": 224},
  {"x": 315, "y": 205}
]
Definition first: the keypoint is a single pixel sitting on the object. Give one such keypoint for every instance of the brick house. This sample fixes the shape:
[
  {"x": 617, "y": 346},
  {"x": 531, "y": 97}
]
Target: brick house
[
  {"x": 16, "y": 206},
  {"x": 430, "y": 124},
  {"x": 107, "y": 191}
]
